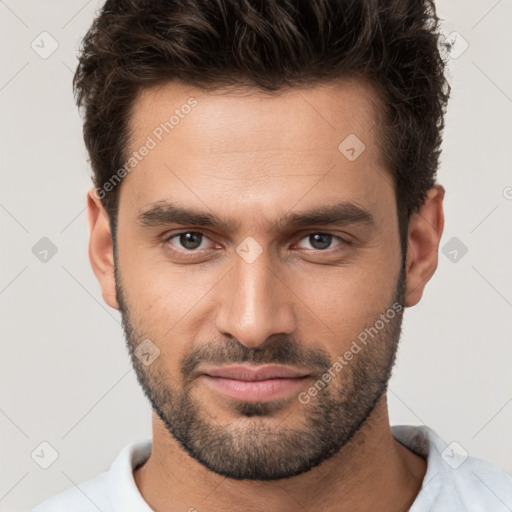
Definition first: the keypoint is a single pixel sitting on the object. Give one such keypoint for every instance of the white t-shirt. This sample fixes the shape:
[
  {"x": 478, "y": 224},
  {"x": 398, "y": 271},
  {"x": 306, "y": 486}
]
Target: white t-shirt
[{"x": 453, "y": 482}]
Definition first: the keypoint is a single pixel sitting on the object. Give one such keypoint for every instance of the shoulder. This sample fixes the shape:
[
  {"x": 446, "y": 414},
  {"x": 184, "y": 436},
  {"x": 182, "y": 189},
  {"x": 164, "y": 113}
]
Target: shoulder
[
  {"x": 475, "y": 486},
  {"x": 110, "y": 490},
  {"x": 455, "y": 480},
  {"x": 483, "y": 486},
  {"x": 88, "y": 496}
]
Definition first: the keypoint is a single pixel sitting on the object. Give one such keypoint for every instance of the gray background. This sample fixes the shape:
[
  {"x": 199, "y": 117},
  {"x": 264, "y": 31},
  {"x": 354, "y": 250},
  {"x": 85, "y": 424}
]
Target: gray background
[{"x": 65, "y": 376}]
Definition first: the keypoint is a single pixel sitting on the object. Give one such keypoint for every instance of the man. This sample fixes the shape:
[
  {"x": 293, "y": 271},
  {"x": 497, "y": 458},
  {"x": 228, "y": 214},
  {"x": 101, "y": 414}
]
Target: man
[{"x": 265, "y": 207}]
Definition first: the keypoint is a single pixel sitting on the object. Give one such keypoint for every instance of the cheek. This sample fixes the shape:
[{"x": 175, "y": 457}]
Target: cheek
[
  {"x": 338, "y": 303},
  {"x": 167, "y": 303}
]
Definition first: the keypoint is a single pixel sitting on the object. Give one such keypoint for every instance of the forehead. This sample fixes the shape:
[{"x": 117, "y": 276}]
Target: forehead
[
  {"x": 242, "y": 147},
  {"x": 273, "y": 119}
]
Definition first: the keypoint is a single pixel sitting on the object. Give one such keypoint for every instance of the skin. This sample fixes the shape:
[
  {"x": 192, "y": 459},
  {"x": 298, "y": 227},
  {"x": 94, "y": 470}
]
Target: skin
[{"x": 250, "y": 157}]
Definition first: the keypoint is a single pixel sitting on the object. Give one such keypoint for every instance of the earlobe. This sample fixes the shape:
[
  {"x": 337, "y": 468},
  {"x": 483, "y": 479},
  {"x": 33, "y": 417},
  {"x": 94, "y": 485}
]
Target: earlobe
[
  {"x": 101, "y": 254},
  {"x": 425, "y": 231}
]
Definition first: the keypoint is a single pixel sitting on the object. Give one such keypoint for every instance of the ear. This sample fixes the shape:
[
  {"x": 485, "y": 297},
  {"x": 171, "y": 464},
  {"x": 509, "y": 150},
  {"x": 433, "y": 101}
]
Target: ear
[
  {"x": 425, "y": 230},
  {"x": 101, "y": 253}
]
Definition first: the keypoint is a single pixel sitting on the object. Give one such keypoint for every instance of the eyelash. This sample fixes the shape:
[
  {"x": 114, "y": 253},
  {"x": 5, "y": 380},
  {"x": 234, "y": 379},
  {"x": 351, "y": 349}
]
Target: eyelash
[{"x": 184, "y": 253}]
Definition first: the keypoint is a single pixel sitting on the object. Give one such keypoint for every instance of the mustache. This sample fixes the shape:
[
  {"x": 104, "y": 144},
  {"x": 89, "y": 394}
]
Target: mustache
[{"x": 275, "y": 350}]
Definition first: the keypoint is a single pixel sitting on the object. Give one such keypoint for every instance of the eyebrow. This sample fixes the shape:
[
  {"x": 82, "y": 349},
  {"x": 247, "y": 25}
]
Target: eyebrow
[{"x": 163, "y": 213}]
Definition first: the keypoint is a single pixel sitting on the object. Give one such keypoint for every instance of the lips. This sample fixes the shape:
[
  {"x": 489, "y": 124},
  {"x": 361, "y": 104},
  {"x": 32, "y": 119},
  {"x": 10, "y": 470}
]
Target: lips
[
  {"x": 261, "y": 383},
  {"x": 252, "y": 374}
]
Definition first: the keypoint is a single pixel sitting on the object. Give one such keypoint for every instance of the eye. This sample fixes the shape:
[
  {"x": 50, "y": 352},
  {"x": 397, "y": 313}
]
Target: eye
[
  {"x": 191, "y": 243},
  {"x": 188, "y": 240},
  {"x": 322, "y": 241}
]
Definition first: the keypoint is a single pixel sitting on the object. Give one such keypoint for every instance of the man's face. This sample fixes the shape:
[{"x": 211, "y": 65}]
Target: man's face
[{"x": 259, "y": 289}]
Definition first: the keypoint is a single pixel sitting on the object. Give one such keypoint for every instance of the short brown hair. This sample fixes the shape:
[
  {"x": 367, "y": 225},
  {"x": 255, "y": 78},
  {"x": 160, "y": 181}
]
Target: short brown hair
[{"x": 271, "y": 44}]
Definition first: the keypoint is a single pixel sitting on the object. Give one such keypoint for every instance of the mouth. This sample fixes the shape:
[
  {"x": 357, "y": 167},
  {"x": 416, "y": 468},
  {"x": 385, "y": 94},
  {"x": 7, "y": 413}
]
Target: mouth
[{"x": 261, "y": 383}]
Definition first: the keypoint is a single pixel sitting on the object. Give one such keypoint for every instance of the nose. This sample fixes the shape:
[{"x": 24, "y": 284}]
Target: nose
[{"x": 255, "y": 302}]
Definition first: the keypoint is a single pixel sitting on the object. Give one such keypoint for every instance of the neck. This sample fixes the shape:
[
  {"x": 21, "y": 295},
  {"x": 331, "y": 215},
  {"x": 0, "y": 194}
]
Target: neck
[{"x": 371, "y": 472}]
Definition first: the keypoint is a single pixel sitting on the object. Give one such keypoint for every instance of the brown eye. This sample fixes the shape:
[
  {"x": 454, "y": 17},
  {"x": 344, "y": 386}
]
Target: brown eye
[
  {"x": 189, "y": 240},
  {"x": 321, "y": 241}
]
